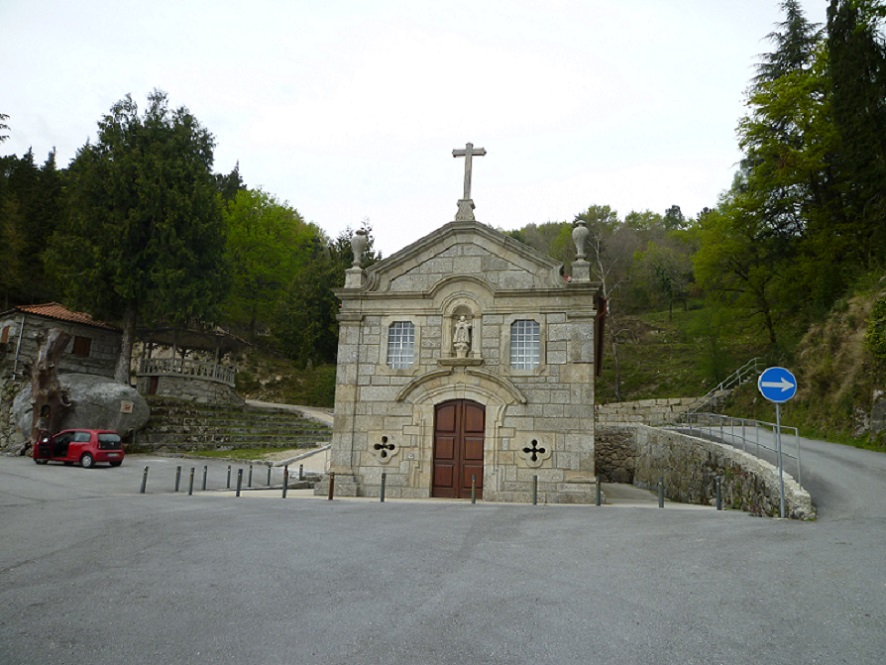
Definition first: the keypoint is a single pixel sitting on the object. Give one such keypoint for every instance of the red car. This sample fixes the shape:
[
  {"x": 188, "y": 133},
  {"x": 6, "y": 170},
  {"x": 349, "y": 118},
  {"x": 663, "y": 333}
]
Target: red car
[{"x": 85, "y": 447}]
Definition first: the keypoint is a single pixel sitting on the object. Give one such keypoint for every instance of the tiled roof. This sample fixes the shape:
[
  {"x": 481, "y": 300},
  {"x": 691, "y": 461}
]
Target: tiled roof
[{"x": 52, "y": 310}]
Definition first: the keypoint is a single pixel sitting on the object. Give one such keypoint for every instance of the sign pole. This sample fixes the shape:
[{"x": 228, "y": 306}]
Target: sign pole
[
  {"x": 778, "y": 385},
  {"x": 780, "y": 464}
]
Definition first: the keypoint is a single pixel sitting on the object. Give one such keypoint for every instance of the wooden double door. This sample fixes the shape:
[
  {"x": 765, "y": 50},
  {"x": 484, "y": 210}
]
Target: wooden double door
[{"x": 458, "y": 448}]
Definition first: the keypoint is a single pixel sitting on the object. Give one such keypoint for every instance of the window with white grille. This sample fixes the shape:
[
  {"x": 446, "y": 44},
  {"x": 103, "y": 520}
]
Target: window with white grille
[
  {"x": 401, "y": 344},
  {"x": 525, "y": 344}
]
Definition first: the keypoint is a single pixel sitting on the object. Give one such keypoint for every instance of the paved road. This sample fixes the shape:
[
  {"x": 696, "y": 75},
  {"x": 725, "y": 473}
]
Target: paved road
[
  {"x": 845, "y": 482},
  {"x": 91, "y": 572}
]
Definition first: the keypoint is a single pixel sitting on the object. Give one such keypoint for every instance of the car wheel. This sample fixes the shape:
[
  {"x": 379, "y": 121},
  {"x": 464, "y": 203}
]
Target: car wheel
[
  {"x": 115, "y": 463},
  {"x": 41, "y": 461},
  {"x": 86, "y": 461}
]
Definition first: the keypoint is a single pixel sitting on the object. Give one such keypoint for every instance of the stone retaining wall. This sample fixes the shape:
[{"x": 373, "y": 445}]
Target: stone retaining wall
[
  {"x": 647, "y": 411},
  {"x": 689, "y": 467}
]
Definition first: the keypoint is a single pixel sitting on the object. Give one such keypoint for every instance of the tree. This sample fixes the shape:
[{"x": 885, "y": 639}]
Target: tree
[
  {"x": 307, "y": 325},
  {"x": 144, "y": 235},
  {"x": 794, "y": 44},
  {"x": 789, "y": 184},
  {"x": 857, "y": 62},
  {"x": 674, "y": 219},
  {"x": 267, "y": 244},
  {"x": 229, "y": 185},
  {"x": 3, "y": 126},
  {"x": 603, "y": 222},
  {"x": 738, "y": 265},
  {"x": 31, "y": 207},
  {"x": 667, "y": 268}
]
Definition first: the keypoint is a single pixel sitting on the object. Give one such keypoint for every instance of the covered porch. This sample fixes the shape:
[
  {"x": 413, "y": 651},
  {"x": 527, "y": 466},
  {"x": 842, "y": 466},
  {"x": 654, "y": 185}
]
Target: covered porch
[{"x": 189, "y": 364}]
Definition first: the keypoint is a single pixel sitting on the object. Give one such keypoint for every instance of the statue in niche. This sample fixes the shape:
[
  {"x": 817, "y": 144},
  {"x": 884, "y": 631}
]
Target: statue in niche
[{"x": 461, "y": 338}]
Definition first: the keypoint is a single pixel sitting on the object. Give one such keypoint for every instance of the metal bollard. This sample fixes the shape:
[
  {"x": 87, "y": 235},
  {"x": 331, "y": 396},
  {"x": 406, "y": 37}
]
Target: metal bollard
[
  {"x": 661, "y": 492},
  {"x": 301, "y": 471},
  {"x": 249, "y": 484},
  {"x": 269, "y": 475},
  {"x": 719, "y": 495},
  {"x": 599, "y": 492},
  {"x": 331, "y": 484},
  {"x": 229, "y": 476},
  {"x": 473, "y": 488},
  {"x": 384, "y": 479},
  {"x": 191, "y": 483},
  {"x": 239, "y": 480},
  {"x": 285, "y": 480},
  {"x": 178, "y": 477},
  {"x": 205, "y": 473},
  {"x": 145, "y": 481},
  {"x": 534, "y": 490}
]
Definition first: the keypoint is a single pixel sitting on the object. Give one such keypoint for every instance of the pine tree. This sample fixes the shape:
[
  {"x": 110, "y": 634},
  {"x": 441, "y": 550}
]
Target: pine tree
[
  {"x": 144, "y": 236},
  {"x": 858, "y": 83}
]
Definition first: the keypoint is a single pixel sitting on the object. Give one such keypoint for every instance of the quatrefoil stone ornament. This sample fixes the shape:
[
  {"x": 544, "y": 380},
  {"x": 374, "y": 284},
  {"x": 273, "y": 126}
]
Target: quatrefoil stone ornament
[
  {"x": 535, "y": 453},
  {"x": 384, "y": 450}
]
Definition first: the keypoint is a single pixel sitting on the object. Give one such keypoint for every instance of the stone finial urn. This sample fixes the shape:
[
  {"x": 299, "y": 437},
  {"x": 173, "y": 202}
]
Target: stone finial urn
[
  {"x": 359, "y": 243},
  {"x": 580, "y": 235}
]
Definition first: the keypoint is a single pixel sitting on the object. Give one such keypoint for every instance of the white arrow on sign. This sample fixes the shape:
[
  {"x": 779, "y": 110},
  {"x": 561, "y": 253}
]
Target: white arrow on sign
[{"x": 784, "y": 384}]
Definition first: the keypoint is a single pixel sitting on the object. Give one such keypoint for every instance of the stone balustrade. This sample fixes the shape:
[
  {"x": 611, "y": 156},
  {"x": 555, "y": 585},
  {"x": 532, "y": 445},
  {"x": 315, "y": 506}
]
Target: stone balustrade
[{"x": 208, "y": 371}]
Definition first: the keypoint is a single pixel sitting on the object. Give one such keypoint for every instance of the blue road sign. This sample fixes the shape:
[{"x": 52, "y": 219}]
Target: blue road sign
[{"x": 777, "y": 384}]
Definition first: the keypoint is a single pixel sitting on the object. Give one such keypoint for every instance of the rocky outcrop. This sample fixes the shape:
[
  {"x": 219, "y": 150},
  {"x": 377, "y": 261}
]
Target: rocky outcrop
[{"x": 96, "y": 402}]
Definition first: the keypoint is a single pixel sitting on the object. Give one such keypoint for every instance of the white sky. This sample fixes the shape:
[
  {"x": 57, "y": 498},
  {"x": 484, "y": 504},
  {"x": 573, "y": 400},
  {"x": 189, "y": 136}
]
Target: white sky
[{"x": 350, "y": 109}]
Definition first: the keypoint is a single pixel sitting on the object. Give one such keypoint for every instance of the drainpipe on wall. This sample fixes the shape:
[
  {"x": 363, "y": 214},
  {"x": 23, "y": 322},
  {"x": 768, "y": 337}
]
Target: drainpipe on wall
[{"x": 18, "y": 348}]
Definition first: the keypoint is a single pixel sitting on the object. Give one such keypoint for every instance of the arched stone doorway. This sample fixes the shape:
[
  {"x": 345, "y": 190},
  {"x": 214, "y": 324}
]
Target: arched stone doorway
[{"x": 459, "y": 427}]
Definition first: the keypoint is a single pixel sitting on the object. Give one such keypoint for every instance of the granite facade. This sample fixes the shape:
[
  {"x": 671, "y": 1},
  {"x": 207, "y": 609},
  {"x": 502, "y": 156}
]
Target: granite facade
[{"x": 385, "y": 412}]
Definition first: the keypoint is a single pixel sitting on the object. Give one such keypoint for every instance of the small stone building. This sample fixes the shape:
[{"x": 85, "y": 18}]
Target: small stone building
[
  {"x": 93, "y": 348},
  {"x": 467, "y": 362}
]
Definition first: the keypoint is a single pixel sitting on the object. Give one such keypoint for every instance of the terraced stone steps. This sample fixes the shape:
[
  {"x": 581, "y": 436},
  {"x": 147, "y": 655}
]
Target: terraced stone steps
[{"x": 181, "y": 426}]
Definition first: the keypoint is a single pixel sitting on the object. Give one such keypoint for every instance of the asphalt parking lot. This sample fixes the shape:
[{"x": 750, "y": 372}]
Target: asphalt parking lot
[{"x": 92, "y": 571}]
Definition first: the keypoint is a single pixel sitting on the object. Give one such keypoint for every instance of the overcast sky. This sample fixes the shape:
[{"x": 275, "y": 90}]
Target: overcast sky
[{"x": 350, "y": 109}]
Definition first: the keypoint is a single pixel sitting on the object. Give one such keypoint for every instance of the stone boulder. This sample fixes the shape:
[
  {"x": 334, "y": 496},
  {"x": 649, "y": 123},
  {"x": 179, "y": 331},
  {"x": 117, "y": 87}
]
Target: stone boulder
[{"x": 96, "y": 403}]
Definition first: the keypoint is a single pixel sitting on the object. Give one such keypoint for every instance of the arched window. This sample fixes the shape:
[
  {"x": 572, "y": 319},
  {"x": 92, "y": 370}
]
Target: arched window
[
  {"x": 525, "y": 344},
  {"x": 401, "y": 344}
]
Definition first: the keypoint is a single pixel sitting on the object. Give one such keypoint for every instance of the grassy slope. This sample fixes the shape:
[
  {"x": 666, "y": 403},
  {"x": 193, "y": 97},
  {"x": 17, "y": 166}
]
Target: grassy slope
[
  {"x": 836, "y": 380},
  {"x": 271, "y": 378},
  {"x": 660, "y": 356}
]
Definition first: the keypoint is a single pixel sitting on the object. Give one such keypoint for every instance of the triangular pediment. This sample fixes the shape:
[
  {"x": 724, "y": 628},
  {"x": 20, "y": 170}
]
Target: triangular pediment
[{"x": 464, "y": 249}]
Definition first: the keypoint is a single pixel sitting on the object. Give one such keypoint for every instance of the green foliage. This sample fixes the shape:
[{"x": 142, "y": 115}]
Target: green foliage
[
  {"x": 660, "y": 357},
  {"x": 3, "y": 126},
  {"x": 782, "y": 245},
  {"x": 267, "y": 244},
  {"x": 857, "y": 64},
  {"x": 306, "y": 326},
  {"x": 666, "y": 270},
  {"x": 737, "y": 265},
  {"x": 144, "y": 234},
  {"x": 31, "y": 205},
  {"x": 274, "y": 378},
  {"x": 875, "y": 337}
]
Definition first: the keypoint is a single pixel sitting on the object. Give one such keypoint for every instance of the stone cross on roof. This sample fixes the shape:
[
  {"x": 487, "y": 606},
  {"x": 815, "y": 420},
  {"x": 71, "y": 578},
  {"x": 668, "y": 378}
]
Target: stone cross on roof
[{"x": 465, "y": 204}]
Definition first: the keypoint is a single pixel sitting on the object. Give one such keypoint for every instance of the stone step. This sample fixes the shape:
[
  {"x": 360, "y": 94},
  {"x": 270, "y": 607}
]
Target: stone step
[
  {"x": 181, "y": 426},
  {"x": 296, "y": 440}
]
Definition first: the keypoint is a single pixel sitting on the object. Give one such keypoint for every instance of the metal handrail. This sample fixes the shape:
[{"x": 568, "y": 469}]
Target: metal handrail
[
  {"x": 726, "y": 431},
  {"x": 738, "y": 377}
]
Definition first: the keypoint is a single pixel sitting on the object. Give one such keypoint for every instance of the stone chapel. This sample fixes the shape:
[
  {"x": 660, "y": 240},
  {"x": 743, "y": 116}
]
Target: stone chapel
[{"x": 466, "y": 362}]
